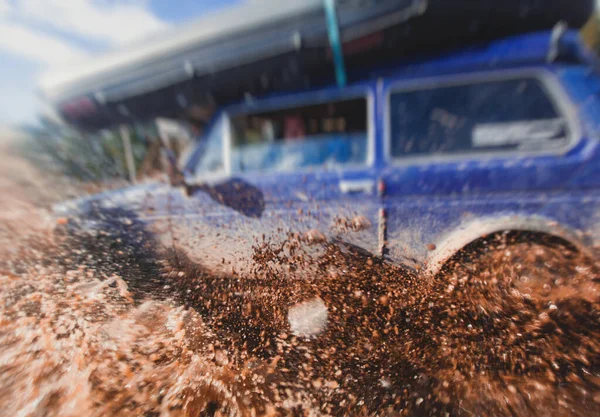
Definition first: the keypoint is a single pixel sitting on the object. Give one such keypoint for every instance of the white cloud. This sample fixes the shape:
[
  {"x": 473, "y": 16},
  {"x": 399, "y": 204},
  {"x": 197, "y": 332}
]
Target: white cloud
[
  {"x": 45, "y": 31},
  {"x": 49, "y": 34},
  {"x": 37, "y": 46},
  {"x": 4, "y": 7},
  {"x": 99, "y": 20}
]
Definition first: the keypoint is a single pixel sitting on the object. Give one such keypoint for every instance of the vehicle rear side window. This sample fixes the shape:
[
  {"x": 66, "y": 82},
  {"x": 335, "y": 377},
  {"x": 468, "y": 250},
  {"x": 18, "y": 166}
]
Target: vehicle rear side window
[
  {"x": 323, "y": 135},
  {"x": 483, "y": 117}
]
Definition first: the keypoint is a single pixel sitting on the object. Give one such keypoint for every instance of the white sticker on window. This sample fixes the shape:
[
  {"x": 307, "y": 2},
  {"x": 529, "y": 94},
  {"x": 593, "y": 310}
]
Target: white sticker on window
[{"x": 516, "y": 133}]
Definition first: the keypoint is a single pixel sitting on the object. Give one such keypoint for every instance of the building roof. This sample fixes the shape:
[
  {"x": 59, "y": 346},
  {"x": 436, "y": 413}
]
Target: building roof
[
  {"x": 262, "y": 47},
  {"x": 269, "y": 26}
]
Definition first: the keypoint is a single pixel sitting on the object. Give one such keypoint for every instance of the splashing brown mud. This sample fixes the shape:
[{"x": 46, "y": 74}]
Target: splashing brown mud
[
  {"x": 489, "y": 337},
  {"x": 479, "y": 340},
  {"x": 88, "y": 328}
]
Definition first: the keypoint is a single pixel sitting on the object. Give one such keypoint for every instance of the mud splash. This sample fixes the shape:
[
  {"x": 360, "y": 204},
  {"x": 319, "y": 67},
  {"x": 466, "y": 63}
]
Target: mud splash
[
  {"x": 100, "y": 322},
  {"x": 97, "y": 324}
]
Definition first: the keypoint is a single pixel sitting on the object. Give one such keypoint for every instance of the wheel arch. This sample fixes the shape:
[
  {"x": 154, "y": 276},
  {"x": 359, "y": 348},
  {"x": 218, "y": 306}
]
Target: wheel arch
[{"x": 467, "y": 233}]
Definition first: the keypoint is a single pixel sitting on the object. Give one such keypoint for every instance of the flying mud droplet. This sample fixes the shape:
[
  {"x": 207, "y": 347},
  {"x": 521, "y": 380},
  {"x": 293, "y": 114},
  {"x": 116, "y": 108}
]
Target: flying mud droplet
[
  {"x": 221, "y": 358},
  {"x": 360, "y": 223},
  {"x": 308, "y": 319},
  {"x": 314, "y": 236},
  {"x": 61, "y": 221}
]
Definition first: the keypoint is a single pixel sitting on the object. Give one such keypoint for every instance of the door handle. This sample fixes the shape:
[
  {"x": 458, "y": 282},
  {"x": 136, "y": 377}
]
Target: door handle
[{"x": 357, "y": 186}]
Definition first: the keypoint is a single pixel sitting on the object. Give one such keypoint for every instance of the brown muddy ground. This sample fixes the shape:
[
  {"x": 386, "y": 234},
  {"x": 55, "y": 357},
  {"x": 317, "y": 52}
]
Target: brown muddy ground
[{"x": 92, "y": 326}]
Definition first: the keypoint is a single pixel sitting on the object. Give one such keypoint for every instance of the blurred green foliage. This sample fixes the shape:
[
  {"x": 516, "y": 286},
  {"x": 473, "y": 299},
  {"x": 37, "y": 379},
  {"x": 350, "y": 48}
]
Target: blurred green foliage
[{"x": 97, "y": 156}]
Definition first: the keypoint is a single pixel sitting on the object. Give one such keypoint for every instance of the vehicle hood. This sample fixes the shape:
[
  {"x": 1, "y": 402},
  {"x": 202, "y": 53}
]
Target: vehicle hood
[{"x": 133, "y": 198}]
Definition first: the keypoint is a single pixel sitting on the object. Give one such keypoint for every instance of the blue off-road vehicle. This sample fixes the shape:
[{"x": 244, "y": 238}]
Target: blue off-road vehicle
[{"x": 411, "y": 159}]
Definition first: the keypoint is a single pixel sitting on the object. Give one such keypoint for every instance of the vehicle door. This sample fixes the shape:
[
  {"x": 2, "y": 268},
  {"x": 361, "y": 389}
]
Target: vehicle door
[
  {"x": 311, "y": 156},
  {"x": 466, "y": 150}
]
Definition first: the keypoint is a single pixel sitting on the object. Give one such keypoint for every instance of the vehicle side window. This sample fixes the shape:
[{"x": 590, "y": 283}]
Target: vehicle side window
[
  {"x": 483, "y": 117},
  {"x": 323, "y": 135},
  {"x": 211, "y": 151}
]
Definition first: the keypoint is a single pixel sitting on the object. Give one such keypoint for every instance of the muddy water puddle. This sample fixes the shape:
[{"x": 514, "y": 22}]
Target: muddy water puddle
[{"x": 101, "y": 325}]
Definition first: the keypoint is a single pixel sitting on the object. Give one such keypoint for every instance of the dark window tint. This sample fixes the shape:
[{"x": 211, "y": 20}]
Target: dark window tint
[{"x": 482, "y": 117}]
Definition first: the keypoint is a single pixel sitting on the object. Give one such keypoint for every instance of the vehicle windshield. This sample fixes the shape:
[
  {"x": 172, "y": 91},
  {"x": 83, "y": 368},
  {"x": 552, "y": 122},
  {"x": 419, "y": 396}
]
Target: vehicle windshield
[{"x": 208, "y": 156}]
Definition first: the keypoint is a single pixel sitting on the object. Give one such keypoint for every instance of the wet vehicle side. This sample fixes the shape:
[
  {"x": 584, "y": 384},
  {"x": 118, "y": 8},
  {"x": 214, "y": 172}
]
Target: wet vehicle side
[{"x": 412, "y": 163}]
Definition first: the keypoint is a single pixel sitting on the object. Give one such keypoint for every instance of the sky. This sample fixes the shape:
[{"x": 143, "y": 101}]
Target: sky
[{"x": 38, "y": 35}]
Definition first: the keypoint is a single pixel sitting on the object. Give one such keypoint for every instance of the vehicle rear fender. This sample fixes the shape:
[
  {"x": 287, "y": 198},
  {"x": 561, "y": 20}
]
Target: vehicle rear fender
[{"x": 451, "y": 243}]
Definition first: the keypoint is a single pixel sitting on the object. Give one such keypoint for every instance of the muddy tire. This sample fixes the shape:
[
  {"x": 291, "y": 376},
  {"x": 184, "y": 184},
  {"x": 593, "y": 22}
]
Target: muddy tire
[
  {"x": 532, "y": 267},
  {"x": 521, "y": 328}
]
